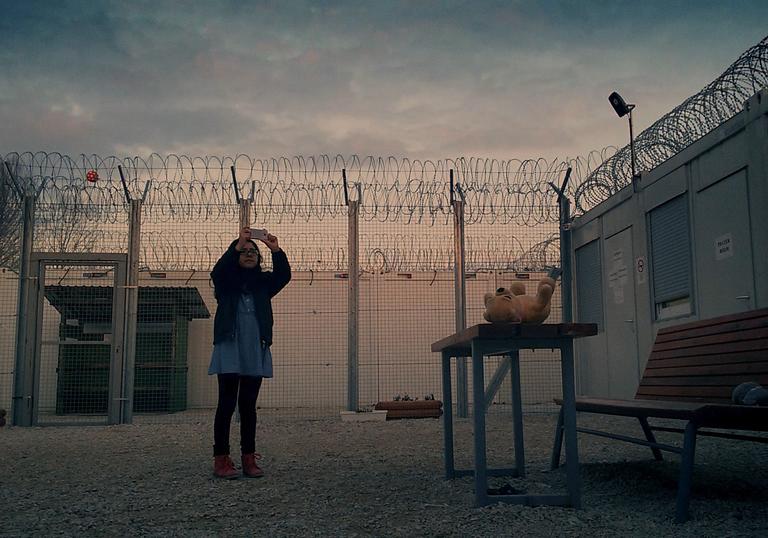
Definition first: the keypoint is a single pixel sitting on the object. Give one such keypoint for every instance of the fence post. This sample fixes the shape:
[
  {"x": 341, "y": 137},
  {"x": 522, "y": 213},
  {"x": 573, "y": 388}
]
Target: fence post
[
  {"x": 353, "y": 297},
  {"x": 460, "y": 302},
  {"x": 245, "y": 213},
  {"x": 131, "y": 310},
  {"x": 23, "y": 379},
  {"x": 566, "y": 272},
  {"x": 566, "y": 280}
]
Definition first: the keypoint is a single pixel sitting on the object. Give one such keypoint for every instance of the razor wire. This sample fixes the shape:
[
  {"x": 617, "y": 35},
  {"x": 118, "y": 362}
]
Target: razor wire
[
  {"x": 177, "y": 187},
  {"x": 699, "y": 114},
  {"x": 10, "y": 223},
  {"x": 314, "y": 251}
]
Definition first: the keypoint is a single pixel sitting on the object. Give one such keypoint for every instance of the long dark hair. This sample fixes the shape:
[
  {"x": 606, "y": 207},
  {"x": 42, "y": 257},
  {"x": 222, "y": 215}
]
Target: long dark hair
[
  {"x": 246, "y": 280},
  {"x": 251, "y": 279}
]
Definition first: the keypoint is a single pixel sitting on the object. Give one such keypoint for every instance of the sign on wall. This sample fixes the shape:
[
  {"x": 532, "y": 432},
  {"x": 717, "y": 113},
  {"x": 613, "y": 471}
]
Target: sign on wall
[{"x": 723, "y": 247}]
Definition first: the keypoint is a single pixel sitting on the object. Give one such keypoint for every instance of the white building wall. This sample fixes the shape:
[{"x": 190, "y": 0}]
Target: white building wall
[{"x": 730, "y": 161}]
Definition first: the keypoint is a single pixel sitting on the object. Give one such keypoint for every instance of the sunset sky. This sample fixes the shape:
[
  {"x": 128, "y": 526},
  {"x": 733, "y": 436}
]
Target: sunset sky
[{"x": 420, "y": 79}]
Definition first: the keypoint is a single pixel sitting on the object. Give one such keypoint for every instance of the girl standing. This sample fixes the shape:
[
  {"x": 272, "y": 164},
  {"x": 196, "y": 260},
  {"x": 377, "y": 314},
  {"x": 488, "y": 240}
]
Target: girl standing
[{"x": 242, "y": 336}]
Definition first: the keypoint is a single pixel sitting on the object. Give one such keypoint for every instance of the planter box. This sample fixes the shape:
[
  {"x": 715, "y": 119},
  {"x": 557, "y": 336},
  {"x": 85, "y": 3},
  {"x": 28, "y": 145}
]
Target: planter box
[
  {"x": 372, "y": 416},
  {"x": 412, "y": 409}
]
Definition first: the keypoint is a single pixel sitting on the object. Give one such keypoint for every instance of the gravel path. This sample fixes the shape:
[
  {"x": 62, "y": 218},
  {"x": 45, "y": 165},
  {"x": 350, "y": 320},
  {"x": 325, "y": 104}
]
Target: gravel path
[{"x": 326, "y": 477}]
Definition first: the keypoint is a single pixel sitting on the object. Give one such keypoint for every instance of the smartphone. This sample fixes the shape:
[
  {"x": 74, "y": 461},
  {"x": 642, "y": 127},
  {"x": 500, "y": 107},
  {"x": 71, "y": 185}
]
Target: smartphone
[{"x": 259, "y": 233}]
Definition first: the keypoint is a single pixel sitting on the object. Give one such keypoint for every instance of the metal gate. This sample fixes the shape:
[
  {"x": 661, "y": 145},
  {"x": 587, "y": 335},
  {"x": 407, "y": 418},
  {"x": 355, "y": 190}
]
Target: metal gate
[{"x": 76, "y": 326}]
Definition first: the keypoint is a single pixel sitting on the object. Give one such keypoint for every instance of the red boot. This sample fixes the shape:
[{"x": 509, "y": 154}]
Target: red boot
[
  {"x": 250, "y": 469},
  {"x": 223, "y": 467}
]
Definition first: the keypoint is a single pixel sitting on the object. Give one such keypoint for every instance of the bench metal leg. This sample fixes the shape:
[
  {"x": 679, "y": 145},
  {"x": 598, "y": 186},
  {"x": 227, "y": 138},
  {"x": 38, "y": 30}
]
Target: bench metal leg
[
  {"x": 558, "y": 444},
  {"x": 517, "y": 412},
  {"x": 650, "y": 437},
  {"x": 686, "y": 473},
  {"x": 573, "y": 478},
  {"x": 447, "y": 419},
  {"x": 478, "y": 412}
]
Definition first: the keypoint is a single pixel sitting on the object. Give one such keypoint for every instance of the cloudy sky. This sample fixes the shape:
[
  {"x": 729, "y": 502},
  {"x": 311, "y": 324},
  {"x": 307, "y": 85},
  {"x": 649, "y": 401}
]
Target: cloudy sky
[{"x": 418, "y": 79}]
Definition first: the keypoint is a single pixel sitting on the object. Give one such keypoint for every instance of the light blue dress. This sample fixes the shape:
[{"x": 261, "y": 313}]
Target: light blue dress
[{"x": 245, "y": 354}]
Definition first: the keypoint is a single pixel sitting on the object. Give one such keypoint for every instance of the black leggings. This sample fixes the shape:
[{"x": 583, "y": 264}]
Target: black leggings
[{"x": 245, "y": 399}]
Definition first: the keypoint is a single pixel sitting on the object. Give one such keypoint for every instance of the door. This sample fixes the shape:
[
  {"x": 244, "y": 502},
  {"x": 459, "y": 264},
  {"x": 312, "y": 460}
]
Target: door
[
  {"x": 620, "y": 318},
  {"x": 724, "y": 248},
  {"x": 78, "y": 323},
  {"x": 591, "y": 354}
]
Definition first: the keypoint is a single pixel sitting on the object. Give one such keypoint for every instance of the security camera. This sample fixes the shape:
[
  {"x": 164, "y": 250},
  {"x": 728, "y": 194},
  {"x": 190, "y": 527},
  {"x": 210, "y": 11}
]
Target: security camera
[{"x": 619, "y": 105}]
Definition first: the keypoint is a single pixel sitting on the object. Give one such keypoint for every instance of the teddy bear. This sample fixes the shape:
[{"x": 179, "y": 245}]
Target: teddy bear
[{"x": 512, "y": 305}]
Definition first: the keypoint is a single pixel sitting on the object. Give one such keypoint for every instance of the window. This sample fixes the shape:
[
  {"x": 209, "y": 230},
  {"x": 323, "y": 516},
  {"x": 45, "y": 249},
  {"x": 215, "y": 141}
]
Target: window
[
  {"x": 589, "y": 288},
  {"x": 670, "y": 247}
]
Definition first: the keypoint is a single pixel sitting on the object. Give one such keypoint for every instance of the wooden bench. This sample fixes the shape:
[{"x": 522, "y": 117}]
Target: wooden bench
[{"x": 690, "y": 376}]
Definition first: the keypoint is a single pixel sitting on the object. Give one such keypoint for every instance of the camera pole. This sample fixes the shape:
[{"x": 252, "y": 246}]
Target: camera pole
[
  {"x": 460, "y": 298},
  {"x": 353, "y": 295}
]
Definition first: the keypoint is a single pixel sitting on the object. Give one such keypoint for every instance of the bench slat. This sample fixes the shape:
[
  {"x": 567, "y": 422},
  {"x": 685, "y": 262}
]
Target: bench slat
[
  {"x": 742, "y": 357},
  {"x": 744, "y": 369},
  {"x": 734, "y": 326},
  {"x": 692, "y": 380},
  {"x": 725, "y": 415},
  {"x": 685, "y": 392},
  {"x": 713, "y": 322},
  {"x": 760, "y": 334},
  {"x": 692, "y": 399},
  {"x": 734, "y": 347},
  {"x": 637, "y": 408}
]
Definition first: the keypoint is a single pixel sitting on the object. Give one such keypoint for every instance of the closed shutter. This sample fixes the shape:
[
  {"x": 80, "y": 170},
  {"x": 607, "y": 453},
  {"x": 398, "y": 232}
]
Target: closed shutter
[
  {"x": 589, "y": 288},
  {"x": 670, "y": 250}
]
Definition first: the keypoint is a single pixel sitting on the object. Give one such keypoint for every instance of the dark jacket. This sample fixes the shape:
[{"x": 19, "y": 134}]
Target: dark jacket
[{"x": 230, "y": 280}]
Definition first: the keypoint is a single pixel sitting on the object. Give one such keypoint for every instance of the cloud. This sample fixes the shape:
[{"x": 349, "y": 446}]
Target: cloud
[{"x": 423, "y": 80}]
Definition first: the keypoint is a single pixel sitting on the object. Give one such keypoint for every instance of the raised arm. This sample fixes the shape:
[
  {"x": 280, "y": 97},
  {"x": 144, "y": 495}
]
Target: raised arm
[
  {"x": 225, "y": 269},
  {"x": 281, "y": 269}
]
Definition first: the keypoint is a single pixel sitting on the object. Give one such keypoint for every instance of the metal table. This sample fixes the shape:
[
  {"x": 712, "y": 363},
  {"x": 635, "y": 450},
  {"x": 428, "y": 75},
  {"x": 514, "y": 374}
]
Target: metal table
[{"x": 508, "y": 339}]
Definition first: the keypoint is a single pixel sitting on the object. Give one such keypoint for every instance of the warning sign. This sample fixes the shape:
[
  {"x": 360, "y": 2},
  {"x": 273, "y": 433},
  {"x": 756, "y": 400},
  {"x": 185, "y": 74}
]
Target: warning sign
[{"x": 723, "y": 247}]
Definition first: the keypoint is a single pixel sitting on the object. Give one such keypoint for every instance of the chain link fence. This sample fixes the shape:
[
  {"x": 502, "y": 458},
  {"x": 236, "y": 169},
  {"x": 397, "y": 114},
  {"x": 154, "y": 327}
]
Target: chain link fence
[{"x": 104, "y": 266}]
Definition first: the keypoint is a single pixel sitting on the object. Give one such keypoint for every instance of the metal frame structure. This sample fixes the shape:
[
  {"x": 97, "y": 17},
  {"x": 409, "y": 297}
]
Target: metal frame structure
[
  {"x": 509, "y": 339},
  {"x": 28, "y": 361}
]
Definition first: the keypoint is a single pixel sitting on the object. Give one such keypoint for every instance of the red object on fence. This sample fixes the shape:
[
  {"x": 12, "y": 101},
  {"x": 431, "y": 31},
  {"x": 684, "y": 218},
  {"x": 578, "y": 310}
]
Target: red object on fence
[{"x": 92, "y": 176}]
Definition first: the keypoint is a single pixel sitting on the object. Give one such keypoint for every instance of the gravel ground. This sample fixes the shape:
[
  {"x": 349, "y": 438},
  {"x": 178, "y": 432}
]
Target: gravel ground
[{"x": 327, "y": 477}]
